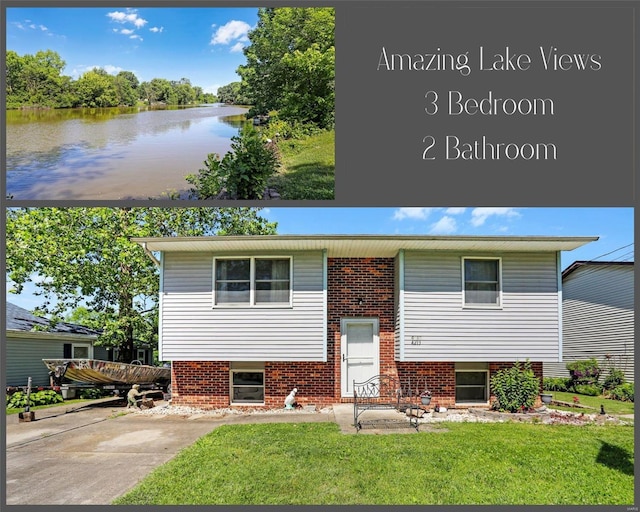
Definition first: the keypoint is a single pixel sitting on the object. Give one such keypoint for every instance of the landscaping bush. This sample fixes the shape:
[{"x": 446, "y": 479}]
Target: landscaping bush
[
  {"x": 624, "y": 392},
  {"x": 515, "y": 388},
  {"x": 584, "y": 371},
  {"x": 45, "y": 397},
  {"x": 588, "y": 389},
  {"x": 243, "y": 171},
  {"x": 555, "y": 384},
  {"x": 613, "y": 379},
  {"x": 93, "y": 393}
]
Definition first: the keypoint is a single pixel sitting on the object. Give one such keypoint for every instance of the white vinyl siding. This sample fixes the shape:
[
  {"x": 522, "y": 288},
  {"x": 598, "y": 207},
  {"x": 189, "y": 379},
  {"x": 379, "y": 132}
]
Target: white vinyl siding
[
  {"x": 598, "y": 318},
  {"x": 193, "y": 329},
  {"x": 438, "y": 327}
]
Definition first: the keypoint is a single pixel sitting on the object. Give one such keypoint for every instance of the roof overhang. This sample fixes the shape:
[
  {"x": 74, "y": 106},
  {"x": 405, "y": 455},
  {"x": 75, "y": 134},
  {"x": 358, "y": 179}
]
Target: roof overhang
[
  {"x": 51, "y": 336},
  {"x": 361, "y": 246}
]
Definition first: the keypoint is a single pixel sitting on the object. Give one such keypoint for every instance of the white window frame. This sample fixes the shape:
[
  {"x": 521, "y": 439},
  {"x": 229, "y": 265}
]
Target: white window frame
[
  {"x": 248, "y": 369},
  {"x": 480, "y": 305},
  {"x": 252, "y": 282},
  {"x": 486, "y": 386}
]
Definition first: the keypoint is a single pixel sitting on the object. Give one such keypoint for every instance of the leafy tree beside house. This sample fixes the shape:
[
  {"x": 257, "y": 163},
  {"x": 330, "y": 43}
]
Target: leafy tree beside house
[{"x": 78, "y": 256}]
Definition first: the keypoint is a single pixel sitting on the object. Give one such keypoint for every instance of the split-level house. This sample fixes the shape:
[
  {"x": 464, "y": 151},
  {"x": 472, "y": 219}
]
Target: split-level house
[
  {"x": 245, "y": 319},
  {"x": 598, "y": 317}
]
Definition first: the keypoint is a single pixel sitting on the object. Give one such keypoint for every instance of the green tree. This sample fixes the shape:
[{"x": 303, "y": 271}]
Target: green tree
[
  {"x": 126, "y": 85},
  {"x": 97, "y": 88},
  {"x": 291, "y": 64},
  {"x": 231, "y": 94},
  {"x": 34, "y": 79},
  {"x": 163, "y": 91},
  {"x": 84, "y": 256}
]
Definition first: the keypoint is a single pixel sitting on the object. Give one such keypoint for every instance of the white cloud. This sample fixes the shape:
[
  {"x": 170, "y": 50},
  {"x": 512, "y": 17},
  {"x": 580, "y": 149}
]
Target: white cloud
[
  {"x": 81, "y": 70},
  {"x": 131, "y": 16},
  {"x": 237, "y": 47},
  {"x": 455, "y": 211},
  {"x": 445, "y": 226},
  {"x": 480, "y": 215},
  {"x": 156, "y": 29},
  {"x": 112, "y": 70},
  {"x": 43, "y": 28},
  {"x": 232, "y": 31},
  {"x": 136, "y": 36},
  {"x": 411, "y": 213},
  {"x": 126, "y": 31}
]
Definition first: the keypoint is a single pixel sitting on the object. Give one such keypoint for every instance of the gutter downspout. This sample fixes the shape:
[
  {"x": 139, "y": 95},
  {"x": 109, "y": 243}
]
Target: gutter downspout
[
  {"x": 401, "y": 301},
  {"x": 150, "y": 254},
  {"x": 559, "y": 272}
]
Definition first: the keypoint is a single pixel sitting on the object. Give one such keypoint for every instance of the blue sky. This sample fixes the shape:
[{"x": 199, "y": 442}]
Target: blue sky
[
  {"x": 201, "y": 44},
  {"x": 614, "y": 226}
]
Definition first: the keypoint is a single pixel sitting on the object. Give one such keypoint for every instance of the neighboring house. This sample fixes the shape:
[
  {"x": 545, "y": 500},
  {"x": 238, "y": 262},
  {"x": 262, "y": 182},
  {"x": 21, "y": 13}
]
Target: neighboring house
[
  {"x": 598, "y": 316},
  {"x": 30, "y": 339},
  {"x": 245, "y": 319}
]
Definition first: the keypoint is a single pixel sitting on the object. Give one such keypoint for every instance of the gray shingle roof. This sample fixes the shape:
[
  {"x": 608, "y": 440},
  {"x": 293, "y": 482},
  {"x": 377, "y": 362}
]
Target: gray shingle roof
[{"x": 19, "y": 319}]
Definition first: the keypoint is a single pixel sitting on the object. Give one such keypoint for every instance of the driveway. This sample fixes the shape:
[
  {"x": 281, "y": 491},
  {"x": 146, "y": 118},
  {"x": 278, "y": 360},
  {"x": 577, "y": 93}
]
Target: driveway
[{"x": 93, "y": 455}]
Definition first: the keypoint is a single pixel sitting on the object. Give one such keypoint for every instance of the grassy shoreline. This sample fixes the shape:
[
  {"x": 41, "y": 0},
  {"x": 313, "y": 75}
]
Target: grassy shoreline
[{"x": 308, "y": 168}]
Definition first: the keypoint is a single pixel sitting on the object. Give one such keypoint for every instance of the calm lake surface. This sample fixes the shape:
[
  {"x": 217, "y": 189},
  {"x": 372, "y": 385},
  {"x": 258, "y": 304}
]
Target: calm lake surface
[{"x": 113, "y": 153}]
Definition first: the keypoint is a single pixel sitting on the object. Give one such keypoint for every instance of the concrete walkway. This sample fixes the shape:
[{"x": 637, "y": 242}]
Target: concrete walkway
[{"x": 93, "y": 455}]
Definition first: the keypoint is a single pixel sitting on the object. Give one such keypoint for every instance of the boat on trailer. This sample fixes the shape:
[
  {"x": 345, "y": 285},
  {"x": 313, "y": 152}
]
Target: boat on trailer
[{"x": 96, "y": 371}]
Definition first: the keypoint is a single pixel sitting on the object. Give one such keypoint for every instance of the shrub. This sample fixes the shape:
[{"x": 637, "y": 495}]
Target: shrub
[
  {"x": 92, "y": 393},
  {"x": 613, "y": 379},
  {"x": 243, "y": 171},
  {"x": 45, "y": 397},
  {"x": 623, "y": 392},
  {"x": 555, "y": 384},
  {"x": 515, "y": 388},
  {"x": 588, "y": 389},
  {"x": 584, "y": 371}
]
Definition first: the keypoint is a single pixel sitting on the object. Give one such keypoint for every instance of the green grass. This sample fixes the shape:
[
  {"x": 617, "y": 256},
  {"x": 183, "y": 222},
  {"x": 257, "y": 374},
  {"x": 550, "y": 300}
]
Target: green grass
[
  {"x": 459, "y": 463},
  {"x": 308, "y": 168},
  {"x": 38, "y": 407},
  {"x": 610, "y": 406}
]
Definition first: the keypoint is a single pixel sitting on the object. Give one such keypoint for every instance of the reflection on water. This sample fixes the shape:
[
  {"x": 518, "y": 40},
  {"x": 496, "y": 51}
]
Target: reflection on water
[{"x": 112, "y": 153}]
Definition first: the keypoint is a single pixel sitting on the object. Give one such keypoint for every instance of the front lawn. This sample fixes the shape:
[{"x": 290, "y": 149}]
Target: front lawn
[
  {"x": 15, "y": 410},
  {"x": 610, "y": 406},
  {"x": 457, "y": 463}
]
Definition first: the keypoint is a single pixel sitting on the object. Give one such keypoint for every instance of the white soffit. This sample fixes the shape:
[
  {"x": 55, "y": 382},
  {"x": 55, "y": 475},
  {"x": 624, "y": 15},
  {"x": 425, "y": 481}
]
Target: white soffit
[{"x": 345, "y": 246}]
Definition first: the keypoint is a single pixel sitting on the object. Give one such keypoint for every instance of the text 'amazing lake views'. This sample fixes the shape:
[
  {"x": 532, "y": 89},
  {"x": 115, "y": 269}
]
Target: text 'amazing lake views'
[{"x": 113, "y": 153}]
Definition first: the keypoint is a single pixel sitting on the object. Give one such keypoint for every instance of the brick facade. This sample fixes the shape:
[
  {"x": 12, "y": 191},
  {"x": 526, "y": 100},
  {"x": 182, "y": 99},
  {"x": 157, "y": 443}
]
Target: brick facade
[{"x": 357, "y": 288}]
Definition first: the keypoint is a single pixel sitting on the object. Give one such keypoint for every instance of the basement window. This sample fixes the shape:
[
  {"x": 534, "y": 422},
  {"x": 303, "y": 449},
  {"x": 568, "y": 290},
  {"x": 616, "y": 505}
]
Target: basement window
[{"x": 472, "y": 383}]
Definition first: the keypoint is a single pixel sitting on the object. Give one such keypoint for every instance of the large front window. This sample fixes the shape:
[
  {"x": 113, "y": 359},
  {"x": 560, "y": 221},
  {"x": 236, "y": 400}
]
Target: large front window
[
  {"x": 481, "y": 278},
  {"x": 252, "y": 281}
]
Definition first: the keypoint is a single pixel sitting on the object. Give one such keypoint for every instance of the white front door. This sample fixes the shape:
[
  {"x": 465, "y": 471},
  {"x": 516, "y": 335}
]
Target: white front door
[{"x": 359, "y": 345}]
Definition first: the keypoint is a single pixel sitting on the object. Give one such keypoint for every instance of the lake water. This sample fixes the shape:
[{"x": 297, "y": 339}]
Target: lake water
[{"x": 113, "y": 153}]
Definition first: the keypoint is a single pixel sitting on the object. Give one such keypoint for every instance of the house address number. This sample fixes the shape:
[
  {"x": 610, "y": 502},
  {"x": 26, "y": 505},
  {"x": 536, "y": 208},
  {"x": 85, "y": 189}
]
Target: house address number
[{"x": 416, "y": 340}]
